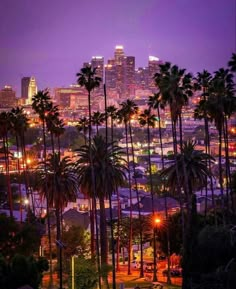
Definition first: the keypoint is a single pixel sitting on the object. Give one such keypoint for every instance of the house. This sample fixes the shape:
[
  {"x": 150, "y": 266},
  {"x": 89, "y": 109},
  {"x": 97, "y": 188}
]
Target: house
[
  {"x": 74, "y": 218},
  {"x": 145, "y": 206}
]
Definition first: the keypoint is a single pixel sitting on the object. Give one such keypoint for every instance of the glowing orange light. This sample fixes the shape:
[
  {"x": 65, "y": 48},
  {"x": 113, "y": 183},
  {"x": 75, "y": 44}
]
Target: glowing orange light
[{"x": 157, "y": 221}]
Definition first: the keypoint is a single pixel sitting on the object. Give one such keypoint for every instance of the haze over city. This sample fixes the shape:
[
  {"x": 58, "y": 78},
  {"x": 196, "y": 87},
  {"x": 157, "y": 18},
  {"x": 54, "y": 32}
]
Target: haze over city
[{"x": 52, "y": 39}]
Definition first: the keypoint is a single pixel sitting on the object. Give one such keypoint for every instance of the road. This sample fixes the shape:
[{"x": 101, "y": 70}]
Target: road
[{"x": 123, "y": 277}]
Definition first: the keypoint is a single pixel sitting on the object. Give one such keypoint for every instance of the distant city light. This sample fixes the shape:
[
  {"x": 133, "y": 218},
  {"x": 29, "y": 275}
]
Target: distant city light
[
  {"x": 97, "y": 57},
  {"x": 153, "y": 58},
  {"x": 119, "y": 47}
]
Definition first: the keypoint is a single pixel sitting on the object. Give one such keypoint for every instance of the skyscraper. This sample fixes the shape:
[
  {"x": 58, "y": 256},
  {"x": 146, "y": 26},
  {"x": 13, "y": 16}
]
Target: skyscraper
[
  {"x": 119, "y": 54},
  {"x": 110, "y": 76},
  {"x": 141, "y": 78},
  {"x": 153, "y": 67},
  {"x": 7, "y": 97},
  {"x": 98, "y": 62},
  {"x": 24, "y": 87},
  {"x": 28, "y": 89},
  {"x": 129, "y": 75}
]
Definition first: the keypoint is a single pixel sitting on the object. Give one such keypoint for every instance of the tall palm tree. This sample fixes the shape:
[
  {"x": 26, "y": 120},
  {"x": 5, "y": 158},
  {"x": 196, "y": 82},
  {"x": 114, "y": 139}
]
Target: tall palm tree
[
  {"x": 128, "y": 110},
  {"x": 41, "y": 104},
  {"x": 58, "y": 131},
  {"x": 87, "y": 78},
  {"x": 148, "y": 119},
  {"x": 109, "y": 174},
  {"x": 195, "y": 163},
  {"x": 98, "y": 119},
  {"x": 19, "y": 125},
  {"x": 175, "y": 88},
  {"x": 203, "y": 83},
  {"x": 59, "y": 185},
  {"x": 52, "y": 118},
  {"x": 111, "y": 113},
  {"x": 5, "y": 127},
  {"x": 221, "y": 105},
  {"x": 232, "y": 63},
  {"x": 154, "y": 102},
  {"x": 83, "y": 126}
]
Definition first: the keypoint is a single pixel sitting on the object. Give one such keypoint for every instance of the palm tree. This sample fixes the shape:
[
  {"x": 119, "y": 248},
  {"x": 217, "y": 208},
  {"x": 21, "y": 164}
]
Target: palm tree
[
  {"x": 109, "y": 174},
  {"x": 5, "y": 127},
  {"x": 41, "y": 104},
  {"x": 232, "y": 63},
  {"x": 155, "y": 103},
  {"x": 83, "y": 126},
  {"x": 59, "y": 186},
  {"x": 98, "y": 119},
  {"x": 58, "y": 130},
  {"x": 148, "y": 119},
  {"x": 196, "y": 172},
  {"x": 221, "y": 105},
  {"x": 128, "y": 110},
  {"x": 111, "y": 112},
  {"x": 52, "y": 118},
  {"x": 203, "y": 83},
  {"x": 175, "y": 87},
  {"x": 19, "y": 125},
  {"x": 87, "y": 78}
]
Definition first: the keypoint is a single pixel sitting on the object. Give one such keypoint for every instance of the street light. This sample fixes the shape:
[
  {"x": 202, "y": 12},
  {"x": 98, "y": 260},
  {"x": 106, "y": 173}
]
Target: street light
[{"x": 156, "y": 223}]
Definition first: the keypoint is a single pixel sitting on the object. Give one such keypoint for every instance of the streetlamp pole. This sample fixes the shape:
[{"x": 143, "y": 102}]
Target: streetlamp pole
[
  {"x": 73, "y": 272},
  {"x": 156, "y": 223}
]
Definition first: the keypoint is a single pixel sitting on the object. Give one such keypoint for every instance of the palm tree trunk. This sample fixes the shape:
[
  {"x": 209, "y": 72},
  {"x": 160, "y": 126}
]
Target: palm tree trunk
[
  {"x": 7, "y": 164},
  {"x": 19, "y": 173},
  {"x": 207, "y": 152},
  {"x": 59, "y": 248},
  {"x": 118, "y": 235},
  {"x": 227, "y": 166},
  {"x": 209, "y": 167},
  {"x": 153, "y": 210},
  {"x": 93, "y": 179},
  {"x": 26, "y": 172},
  {"x": 47, "y": 205},
  {"x": 138, "y": 200},
  {"x": 166, "y": 208},
  {"x": 103, "y": 240},
  {"x": 110, "y": 205},
  {"x": 94, "y": 189},
  {"x": 130, "y": 195},
  {"x": 221, "y": 174},
  {"x": 173, "y": 124}
]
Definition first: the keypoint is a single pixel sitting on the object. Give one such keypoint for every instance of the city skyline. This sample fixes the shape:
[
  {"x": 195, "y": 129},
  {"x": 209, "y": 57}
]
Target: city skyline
[{"x": 51, "y": 42}]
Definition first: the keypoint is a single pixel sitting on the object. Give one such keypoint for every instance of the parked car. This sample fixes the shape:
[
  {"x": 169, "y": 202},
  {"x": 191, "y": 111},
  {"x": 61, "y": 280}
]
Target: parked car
[
  {"x": 149, "y": 267},
  {"x": 162, "y": 258},
  {"x": 174, "y": 272}
]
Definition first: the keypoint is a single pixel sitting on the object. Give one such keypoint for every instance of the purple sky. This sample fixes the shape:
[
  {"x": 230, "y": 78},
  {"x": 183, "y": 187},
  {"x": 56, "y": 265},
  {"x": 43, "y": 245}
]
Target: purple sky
[{"x": 50, "y": 39}]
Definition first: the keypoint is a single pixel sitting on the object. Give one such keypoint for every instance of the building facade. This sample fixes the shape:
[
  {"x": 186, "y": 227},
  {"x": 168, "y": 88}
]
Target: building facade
[
  {"x": 28, "y": 89},
  {"x": 8, "y": 97}
]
